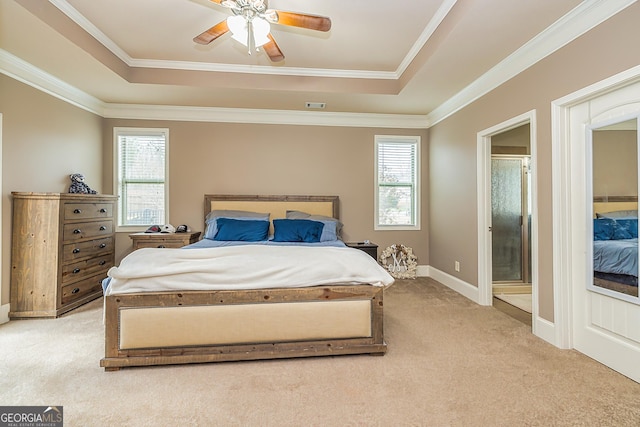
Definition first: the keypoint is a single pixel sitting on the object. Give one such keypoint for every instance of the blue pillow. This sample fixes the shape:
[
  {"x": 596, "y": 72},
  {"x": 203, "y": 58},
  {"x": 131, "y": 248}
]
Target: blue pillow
[
  {"x": 297, "y": 230},
  {"x": 332, "y": 227},
  {"x": 244, "y": 230},
  {"x": 626, "y": 228},
  {"x": 603, "y": 228},
  {"x": 211, "y": 220}
]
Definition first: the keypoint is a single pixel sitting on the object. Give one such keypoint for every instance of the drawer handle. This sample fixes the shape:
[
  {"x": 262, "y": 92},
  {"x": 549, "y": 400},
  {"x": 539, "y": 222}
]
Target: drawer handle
[
  {"x": 77, "y": 231},
  {"x": 76, "y": 270},
  {"x": 76, "y": 251},
  {"x": 103, "y": 262},
  {"x": 103, "y": 210},
  {"x": 75, "y": 290},
  {"x": 102, "y": 245},
  {"x": 77, "y": 211},
  {"x": 102, "y": 228},
  {"x": 161, "y": 246}
]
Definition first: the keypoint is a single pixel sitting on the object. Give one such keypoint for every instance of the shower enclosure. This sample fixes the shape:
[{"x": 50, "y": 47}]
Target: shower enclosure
[{"x": 510, "y": 219}]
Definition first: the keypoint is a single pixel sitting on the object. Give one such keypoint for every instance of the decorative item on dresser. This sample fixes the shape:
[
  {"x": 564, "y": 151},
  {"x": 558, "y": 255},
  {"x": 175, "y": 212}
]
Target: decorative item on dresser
[
  {"x": 63, "y": 245},
  {"x": 163, "y": 240}
]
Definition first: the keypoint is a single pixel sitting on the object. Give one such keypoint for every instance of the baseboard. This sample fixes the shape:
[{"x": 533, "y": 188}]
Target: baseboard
[
  {"x": 545, "y": 330},
  {"x": 4, "y": 313},
  {"x": 422, "y": 271},
  {"x": 460, "y": 286}
]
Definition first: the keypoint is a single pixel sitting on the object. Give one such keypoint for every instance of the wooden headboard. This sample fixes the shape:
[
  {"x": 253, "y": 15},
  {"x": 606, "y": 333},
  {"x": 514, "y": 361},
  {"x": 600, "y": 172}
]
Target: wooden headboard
[
  {"x": 602, "y": 204},
  {"x": 277, "y": 206}
]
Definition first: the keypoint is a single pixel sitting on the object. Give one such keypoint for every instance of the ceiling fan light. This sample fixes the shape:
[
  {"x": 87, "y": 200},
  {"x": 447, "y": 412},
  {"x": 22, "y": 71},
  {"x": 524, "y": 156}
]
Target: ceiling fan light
[
  {"x": 261, "y": 30},
  {"x": 238, "y": 27}
]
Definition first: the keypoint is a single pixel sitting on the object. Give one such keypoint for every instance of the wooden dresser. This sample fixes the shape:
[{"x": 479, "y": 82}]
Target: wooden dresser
[{"x": 63, "y": 245}]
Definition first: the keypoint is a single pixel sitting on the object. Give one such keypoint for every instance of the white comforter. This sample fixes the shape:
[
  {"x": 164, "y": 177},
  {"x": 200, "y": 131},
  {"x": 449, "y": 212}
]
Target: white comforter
[{"x": 243, "y": 267}]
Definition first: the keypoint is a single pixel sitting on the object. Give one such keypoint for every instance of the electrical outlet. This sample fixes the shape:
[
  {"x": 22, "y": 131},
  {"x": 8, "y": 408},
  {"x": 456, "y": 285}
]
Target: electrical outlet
[{"x": 457, "y": 266}]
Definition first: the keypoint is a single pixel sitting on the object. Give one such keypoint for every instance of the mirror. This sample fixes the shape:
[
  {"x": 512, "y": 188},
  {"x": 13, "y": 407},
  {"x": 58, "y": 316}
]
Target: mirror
[{"x": 614, "y": 160}]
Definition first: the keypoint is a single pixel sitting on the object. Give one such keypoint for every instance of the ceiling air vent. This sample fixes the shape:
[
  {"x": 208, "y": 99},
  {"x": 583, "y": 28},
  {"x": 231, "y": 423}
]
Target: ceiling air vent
[{"x": 315, "y": 105}]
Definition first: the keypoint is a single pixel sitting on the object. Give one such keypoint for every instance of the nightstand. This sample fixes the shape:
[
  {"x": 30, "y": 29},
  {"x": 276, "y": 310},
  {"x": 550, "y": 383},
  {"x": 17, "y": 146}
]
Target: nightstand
[
  {"x": 163, "y": 240},
  {"x": 368, "y": 247}
]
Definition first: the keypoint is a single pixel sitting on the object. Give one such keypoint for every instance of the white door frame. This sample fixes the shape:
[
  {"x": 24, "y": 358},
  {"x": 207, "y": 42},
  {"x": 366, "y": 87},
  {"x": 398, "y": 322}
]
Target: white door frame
[
  {"x": 485, "y": 291},
  {"x": 563, "y": 169}
]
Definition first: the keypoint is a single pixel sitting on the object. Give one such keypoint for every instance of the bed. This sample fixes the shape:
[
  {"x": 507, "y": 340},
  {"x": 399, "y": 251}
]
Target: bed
[
  {"x": 615, "y": 244},
  {"x": 198, "y": 313}
]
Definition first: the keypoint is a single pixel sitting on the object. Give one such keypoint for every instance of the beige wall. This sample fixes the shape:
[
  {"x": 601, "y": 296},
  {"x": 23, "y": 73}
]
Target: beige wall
[
  {"x": 44, "y": 141},
  {"x": 226, "y": 158},
  {"x": 602, "y": 52}
]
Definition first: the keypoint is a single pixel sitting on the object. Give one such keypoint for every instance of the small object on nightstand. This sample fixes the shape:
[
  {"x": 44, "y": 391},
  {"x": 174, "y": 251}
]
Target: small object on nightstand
[
  {"x": 366, "y": 246},
  {"x": 163, "y": 240}
]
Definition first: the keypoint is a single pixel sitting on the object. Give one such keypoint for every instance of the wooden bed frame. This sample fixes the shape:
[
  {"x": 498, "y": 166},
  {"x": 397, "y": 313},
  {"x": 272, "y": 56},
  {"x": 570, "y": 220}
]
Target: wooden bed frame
[{"x": 162, "y": 328}]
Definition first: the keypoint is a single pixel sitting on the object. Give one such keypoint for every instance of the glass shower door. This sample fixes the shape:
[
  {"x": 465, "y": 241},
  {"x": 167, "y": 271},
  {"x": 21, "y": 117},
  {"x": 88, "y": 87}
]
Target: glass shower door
[{"x": 508, "y": 207}]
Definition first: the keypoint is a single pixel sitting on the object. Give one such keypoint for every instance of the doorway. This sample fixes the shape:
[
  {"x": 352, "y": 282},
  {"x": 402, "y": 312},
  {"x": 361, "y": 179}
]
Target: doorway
[
  {"x": 513, "y": 144},
  {"x": 511, "y": 222}
]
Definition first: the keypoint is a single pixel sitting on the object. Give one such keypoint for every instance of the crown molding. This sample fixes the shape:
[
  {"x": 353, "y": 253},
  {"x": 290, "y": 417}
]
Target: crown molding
[
  {"x": 256, "y": 116},
  {"x": 431, "y": 27},
  {"x": 584, "y": 17},
  {"x": 262, "y": 69},
  {"x": 24, "y": 72},
  {"x": 88, "y": 26}
]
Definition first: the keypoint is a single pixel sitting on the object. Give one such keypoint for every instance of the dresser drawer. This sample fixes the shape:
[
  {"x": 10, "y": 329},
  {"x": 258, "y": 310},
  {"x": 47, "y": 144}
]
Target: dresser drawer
[
  {"x": 85, "y": 230},
  {"x": 78, "y": 270},
  {"x": 158, "y": 243},
  {"x": 80, "y": 250},
  {"x": 78, "y": 290},
  {"x": 74, "y": 210},
  {"x": 163, "y": 240}
]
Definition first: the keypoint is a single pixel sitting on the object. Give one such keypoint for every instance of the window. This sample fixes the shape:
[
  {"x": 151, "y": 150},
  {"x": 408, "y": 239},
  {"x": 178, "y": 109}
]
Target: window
[
  {"x": 141, "y": 177},
  {"x": 397, "y": 197}
]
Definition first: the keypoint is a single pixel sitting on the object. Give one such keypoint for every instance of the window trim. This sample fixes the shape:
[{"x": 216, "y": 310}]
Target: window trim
[
  {"x": 117, "y": 131},
  {"x": 408, "y": 139}
]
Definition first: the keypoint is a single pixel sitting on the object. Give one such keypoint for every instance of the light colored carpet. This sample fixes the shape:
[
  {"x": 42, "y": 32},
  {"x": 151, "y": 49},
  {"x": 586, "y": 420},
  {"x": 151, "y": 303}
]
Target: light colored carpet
[
  {"x": 450, "y": 363},
  {"x": 522, "y": 301}
]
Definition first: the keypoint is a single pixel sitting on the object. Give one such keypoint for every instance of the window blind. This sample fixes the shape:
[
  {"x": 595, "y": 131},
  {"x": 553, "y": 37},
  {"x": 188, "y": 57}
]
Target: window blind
[
  {"x": 397, "y": 182},
  {"x": 142, "y": 178}
]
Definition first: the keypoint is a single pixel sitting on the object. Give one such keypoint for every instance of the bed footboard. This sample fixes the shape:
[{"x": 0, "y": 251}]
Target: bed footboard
[{"x": 213, "y": 326}]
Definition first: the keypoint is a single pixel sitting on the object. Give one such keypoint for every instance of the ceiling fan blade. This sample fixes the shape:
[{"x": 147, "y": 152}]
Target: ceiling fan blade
[
  {"x": 273, "y": 50},
  {"x": 212, "y": 33},
  {"x": 303, "y": 20}
]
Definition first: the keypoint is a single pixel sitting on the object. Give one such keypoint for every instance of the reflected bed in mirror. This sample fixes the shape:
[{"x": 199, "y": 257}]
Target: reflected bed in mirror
[
  {"x": 615, "y": 245},
  {"x": 615, "y": 217}
]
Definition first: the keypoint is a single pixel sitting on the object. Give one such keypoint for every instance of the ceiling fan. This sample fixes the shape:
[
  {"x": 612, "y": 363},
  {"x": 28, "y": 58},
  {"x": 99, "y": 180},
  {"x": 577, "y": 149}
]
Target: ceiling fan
[{"x": 250, "y": 25}]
